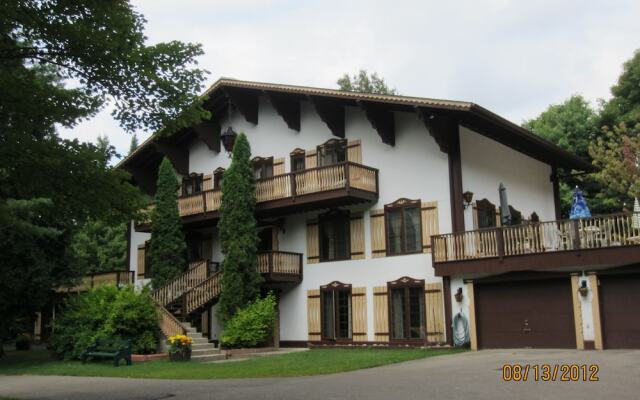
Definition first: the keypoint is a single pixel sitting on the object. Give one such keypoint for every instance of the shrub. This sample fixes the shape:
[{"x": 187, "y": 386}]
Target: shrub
[
  {"x": 23, "y": 341},
  {"x": 252, "y": 325},
  {"x": 103, "y": 313}
]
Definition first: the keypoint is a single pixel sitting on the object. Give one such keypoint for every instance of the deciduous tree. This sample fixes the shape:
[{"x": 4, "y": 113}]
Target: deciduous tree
[{"x": 366, "y": 83}]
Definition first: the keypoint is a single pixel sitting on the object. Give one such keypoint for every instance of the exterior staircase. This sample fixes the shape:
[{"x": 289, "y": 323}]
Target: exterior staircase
[
  {"x": 201, "y": 349},
  {"x": 182, "y": 298}
]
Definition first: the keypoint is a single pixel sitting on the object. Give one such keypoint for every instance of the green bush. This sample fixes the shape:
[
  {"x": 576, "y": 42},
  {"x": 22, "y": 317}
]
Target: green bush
[
  {"x": 252, "y": 325},
  {"x": 103, "y": 313}
]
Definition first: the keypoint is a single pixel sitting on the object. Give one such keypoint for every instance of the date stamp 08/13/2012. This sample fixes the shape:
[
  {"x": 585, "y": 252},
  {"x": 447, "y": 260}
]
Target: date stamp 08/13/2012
[{"x": 550, "y": 372}]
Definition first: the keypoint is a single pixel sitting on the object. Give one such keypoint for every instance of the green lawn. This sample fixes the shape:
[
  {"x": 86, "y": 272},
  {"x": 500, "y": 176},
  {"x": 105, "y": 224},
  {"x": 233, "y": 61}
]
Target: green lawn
[{"x": 313, "y": 362}]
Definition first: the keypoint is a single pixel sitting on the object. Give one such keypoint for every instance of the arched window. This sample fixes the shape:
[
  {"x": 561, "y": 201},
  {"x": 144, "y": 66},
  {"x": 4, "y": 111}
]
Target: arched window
[{"x": 403, "y": 227}]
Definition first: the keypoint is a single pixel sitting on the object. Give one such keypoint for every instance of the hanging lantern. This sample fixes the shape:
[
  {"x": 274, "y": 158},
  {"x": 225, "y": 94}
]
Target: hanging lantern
[{"x": 228, "y": 138}]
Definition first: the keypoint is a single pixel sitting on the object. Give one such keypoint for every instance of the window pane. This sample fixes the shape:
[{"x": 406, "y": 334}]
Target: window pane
[
  {"x": 394, "y": 231},
  {"x": 298, "y": 164},
  {"x": 327, "y": 315},
  {"x": 416, "y": 312},
  {"x": 344, "y": 314},
  {"x": 413, "y": 236},
  {"x": 334, "y": 231},
  {"x": 397, "y": 313}
]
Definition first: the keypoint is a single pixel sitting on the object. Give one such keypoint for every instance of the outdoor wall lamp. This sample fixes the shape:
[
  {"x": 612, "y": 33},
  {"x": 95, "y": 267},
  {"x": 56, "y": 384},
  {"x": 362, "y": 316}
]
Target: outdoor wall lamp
[
  {"x": 459, "y": 295},
  {"x": 228, "y": 139},
  {"x": 583, "y": 289},
  {"x": 468, "y": 198}
]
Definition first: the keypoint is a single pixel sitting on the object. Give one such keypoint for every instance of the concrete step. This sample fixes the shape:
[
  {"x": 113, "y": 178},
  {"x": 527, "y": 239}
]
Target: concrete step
[
  {"x": 197, "y": 346},
  {"x": 205, "y": 352},
  {"x": 200, "y": 341},
  {"x": 207, "y": 358}
]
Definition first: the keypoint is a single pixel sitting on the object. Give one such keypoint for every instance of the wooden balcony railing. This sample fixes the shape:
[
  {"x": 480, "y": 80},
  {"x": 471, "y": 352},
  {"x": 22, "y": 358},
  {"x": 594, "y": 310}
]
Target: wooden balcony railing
[
  {"x": 98, "y": 279},
  {"x": 533, "y": 238},
  {"x": 314, "y": 180},
  {"x": 280, "y": 262}
]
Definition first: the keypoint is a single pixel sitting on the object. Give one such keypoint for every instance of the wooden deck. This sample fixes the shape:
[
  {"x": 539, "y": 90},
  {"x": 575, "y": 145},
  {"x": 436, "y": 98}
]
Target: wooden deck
[{"x": 607, "y": 232}]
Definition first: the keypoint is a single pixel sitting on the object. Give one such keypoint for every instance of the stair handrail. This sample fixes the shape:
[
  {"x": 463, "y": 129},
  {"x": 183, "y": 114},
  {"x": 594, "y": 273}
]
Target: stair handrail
[
  {"x": 202, "y": 293},
  {"x": 173, "y": 290},
  {"x": 169, "y": 324}
]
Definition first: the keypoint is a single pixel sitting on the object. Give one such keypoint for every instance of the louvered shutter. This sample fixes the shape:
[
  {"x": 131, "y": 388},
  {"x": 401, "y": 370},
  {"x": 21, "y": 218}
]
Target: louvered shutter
[
  {"x": 313, "y": 245},
  {"x": 311, "y": 159},
  {"x": 357, "y": 237},
  {"x": 434, "y": 306},
  {"x": 313, "y": 314},
  {"x": 359, "y": 313},
  {"x": 354, "y": 151},
  {"x": 378, "y": 239},
  {"x": 430, "y": 224},
  {"x": 381, "y": 313},
  {"x": 278, "y": 166},
  {"x": 207, "y": 182},
  {"x": 141, "y": 260}
]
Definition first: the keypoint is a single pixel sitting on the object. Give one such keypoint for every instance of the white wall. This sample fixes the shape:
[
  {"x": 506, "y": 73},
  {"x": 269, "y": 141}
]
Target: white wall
[
  {"x": 137, "y": 238},
  {"x": 487, "y": 163}
]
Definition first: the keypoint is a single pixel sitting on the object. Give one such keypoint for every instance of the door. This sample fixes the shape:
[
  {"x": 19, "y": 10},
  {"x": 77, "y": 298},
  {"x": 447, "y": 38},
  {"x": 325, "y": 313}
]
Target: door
[
  {"x": 527, "y": 313},
  {"x": 619, "y": 299}
]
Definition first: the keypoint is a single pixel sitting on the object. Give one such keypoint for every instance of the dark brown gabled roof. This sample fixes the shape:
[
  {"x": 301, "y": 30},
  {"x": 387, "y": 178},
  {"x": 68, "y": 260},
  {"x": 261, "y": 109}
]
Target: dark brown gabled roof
[{"x": 469, "y": 114}]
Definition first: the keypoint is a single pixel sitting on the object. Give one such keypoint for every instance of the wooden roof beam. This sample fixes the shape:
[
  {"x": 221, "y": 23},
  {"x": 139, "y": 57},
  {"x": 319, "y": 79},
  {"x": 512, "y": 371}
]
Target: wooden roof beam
[
  {"x": 331, "y": 113},
  {"x": 381, "y": 119},
  {"x": 287, "y": 106},
  {"x": 439, "y": 127},
  {"x": 177, "y": 155},
  {"x": 209, "y": 133},
  {"x": 145, "y": 178},
  {"x": 245, "y": 101}
]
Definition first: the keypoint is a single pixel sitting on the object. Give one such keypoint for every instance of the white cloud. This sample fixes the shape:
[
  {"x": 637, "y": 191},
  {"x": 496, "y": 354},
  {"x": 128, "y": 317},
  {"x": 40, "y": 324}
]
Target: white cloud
[{"x": 513, "y": 57}]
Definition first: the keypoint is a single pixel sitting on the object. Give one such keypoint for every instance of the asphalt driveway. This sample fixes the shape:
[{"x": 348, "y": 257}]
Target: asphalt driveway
[{"x": 473, "y": 375}]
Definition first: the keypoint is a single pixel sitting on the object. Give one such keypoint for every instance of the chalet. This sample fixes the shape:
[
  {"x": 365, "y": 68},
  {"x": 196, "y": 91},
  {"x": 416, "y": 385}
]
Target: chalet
[{"x": 379, "y": 223}]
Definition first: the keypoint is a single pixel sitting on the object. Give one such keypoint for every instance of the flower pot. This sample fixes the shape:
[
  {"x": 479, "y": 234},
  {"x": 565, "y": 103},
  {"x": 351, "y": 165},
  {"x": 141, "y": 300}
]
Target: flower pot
[{"x": 181, "y": 355}]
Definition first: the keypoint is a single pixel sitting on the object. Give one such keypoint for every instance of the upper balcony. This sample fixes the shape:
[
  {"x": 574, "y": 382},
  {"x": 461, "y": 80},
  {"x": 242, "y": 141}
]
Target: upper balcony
[
  {"x": 590, "y": 243},
  {"x": 314, "y": 188},
  {"x": 90, "y": 281}
]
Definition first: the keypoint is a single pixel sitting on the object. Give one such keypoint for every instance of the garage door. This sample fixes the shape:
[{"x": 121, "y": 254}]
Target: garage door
[
  {"x": 525, "y": 314},
  {"x": 619, "y": 300}
]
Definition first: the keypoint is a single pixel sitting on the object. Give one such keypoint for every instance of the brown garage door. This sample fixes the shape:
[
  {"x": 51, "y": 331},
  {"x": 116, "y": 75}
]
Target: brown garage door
[
  {"x": 619, "y": 300},
  {"x": 514, "y": 314}
]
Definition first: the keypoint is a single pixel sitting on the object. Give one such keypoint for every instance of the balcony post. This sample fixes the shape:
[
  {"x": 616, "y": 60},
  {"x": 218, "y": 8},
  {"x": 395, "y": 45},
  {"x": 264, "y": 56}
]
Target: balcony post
[
  {"x": 575, "y": 227},
  {"x": 270, "y": 262},
  {"x": 204, "y": 201},
  {"x": 500, "y": 242},
  {"x": 346, "y": 176},
  {"x": 293, "y": 185}
]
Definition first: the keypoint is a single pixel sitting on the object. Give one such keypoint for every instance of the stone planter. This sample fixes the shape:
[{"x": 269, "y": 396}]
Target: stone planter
[{"x": 184, "y": 355}]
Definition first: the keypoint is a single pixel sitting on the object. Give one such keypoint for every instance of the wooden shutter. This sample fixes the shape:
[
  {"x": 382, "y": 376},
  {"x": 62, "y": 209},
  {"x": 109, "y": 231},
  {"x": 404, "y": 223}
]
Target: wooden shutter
[
  {"x": 430, "y": 224},
  {"x": 434, "y": 306},
  {"x": 278, "y": 166},
  {"x": 313, "y": 245},
  {"x": 359, "y": 314},
  {"x": 357, "y": 237},
  {"x": 141, "y": 260},
  {"x": 313, "y": 314},
  {"x": 311, "y": 159},
  {"x": 378, "y": 239},
  {"x": 354, "y": 151},
  {"x": 207, "y": 182},
  {"x": 381, "y": 314},
  {"x": 498, "y": 217}
]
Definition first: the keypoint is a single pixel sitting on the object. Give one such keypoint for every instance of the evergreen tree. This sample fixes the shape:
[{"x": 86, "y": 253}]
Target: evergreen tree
[
  {"x": 100, "y": 247},
  {"x": 238, "y": 236},
  {"x": 134, "y": 143},
  {"x": 167, "y": 250}
]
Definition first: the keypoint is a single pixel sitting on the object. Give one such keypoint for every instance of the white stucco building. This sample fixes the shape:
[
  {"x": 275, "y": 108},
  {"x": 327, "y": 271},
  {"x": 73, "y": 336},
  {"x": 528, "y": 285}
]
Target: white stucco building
[{"x": 351, "y": 188}]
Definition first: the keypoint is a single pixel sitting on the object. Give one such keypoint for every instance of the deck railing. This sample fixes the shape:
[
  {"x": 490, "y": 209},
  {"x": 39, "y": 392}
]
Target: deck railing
[
  {"x": 202, "y": 293},
  {"x": 280, "y": 262},
  {"x": 541, "y": 237},
  {"x": 89, "y": 281},
  {"x": 314, "y": 180}
]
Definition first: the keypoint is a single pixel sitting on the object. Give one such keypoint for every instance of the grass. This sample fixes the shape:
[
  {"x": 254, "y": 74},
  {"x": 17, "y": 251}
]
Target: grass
[{"x": 312, "y": 362}]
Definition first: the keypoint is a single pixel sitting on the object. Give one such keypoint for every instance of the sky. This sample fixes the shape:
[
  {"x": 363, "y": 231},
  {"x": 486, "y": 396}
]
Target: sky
[{"x": 512, "y": 57}]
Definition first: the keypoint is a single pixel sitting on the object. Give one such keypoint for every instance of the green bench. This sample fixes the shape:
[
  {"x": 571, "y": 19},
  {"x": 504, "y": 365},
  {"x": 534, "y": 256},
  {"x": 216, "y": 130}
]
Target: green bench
[{"x": 109, "y": 348}]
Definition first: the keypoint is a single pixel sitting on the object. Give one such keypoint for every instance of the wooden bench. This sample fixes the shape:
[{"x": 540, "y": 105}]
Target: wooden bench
[{"x": 109, "y": 348}]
